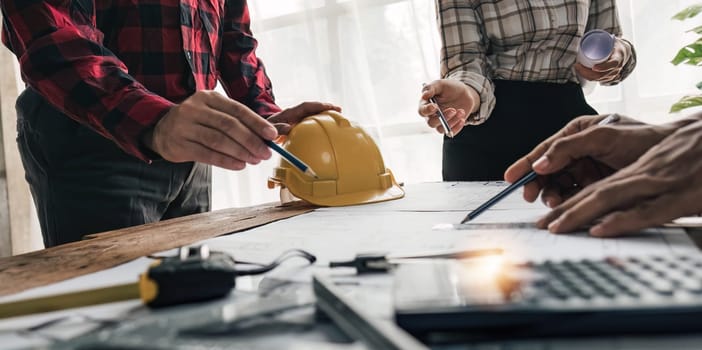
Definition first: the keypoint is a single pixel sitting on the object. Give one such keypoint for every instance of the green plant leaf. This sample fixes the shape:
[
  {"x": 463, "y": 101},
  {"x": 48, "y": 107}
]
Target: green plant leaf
[
  {"x": 689, "y": 12},
  {"x": 686, "y": 102},
  {"x": 690, "y": 54}
]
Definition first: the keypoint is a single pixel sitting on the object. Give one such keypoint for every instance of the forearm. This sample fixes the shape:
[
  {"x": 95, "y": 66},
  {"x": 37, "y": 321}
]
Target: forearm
[
  {"x": 603, "y": 14},
  {"x": 695, "y": 116},
  {"x": 629, "y": 65},
  {"x": 672, "y": 127},
  {"x": 95, "y": 91},
  {"x": 243, "y": 75},
  {"x": 463, "y": 57},
  {"x": 63, "y": 59},
  {"x": 481, "y": 93}
]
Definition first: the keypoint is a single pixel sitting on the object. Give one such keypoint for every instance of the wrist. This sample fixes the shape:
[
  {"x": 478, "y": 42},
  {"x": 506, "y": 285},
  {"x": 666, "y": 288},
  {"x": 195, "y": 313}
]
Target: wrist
[
  {"x": 696, "y": 116},
  {"x": 474, "y": 98},
  {"x": 673, "y": 126},
  {"x": 147, "y": 139},
  {"x": 147, "y": 145}
]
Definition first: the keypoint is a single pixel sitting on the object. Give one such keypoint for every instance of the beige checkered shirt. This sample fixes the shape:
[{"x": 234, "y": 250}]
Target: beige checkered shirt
[{"x": 530, "y": 40}]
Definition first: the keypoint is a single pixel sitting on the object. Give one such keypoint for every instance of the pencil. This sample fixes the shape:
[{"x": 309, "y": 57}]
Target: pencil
[
  {"x": 296, "y": 162},
  {"x": 442, "y": 117},
  {"x": 519, "y": 183},
  {"x": 612, "y": 118}
]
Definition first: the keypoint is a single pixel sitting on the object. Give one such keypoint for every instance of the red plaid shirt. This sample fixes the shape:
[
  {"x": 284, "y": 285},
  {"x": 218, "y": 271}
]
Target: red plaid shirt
[{"x": 120, "y": 65}]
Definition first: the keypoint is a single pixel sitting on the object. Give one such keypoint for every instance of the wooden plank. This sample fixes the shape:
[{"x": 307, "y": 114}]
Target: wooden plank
[{"x": 112, "y": 248}]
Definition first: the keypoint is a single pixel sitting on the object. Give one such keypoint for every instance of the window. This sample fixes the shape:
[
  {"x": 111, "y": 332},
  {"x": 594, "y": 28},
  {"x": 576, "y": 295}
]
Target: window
[{"x": 371, "y": 57}]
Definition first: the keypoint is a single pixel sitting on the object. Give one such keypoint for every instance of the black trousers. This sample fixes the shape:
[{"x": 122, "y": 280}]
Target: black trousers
[
  {"x": 525, "y": 114},
  {"x": 82, "y": 183}
]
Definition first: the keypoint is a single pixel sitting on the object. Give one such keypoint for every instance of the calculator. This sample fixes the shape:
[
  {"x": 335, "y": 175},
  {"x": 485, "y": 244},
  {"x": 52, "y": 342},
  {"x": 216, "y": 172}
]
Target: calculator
[{"x": 491, "y": 297}]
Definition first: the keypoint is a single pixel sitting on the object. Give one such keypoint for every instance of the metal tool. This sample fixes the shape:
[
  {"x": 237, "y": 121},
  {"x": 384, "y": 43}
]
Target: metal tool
[
  {"x": 194, "y": 275},
  {"x": 379, "y": 262}
]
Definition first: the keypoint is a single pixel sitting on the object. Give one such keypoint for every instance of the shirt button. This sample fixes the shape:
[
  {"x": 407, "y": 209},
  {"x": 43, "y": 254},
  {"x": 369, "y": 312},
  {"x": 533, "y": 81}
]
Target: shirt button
[{"x": 189, "y": 56}]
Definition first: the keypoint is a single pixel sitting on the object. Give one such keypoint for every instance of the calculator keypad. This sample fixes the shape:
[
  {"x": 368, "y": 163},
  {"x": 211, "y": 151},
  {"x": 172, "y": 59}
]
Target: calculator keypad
[{"x": 635, "y": 279}]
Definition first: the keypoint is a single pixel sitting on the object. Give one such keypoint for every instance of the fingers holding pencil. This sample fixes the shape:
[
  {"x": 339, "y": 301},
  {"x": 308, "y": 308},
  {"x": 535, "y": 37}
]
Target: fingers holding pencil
[
  {"x": 446, "y": 104},
  {"x": 292, "y": 159}
]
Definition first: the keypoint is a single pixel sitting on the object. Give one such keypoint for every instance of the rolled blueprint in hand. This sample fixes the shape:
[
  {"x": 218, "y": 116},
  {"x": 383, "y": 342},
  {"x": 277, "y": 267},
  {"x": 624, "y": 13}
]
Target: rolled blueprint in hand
[{"x": 595, "y": 47}]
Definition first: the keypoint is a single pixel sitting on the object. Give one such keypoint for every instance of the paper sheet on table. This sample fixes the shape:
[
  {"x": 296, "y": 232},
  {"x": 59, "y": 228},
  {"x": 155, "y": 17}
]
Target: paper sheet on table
[
  {"x": 407, "y": 226},
  {"x": 444, "y": 196},
  {"x": 341, "y": 235}
]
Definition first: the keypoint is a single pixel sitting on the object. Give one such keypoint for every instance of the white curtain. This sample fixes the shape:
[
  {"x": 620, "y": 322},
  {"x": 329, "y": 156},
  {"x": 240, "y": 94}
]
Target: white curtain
[
  {"x": 371, "y": 57},
  {"x": 655, "y": 84}
]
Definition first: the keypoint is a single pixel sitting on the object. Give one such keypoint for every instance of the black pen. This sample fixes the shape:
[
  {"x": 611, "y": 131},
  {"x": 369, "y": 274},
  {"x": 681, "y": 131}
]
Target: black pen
[{"x": 612, "y": 118}]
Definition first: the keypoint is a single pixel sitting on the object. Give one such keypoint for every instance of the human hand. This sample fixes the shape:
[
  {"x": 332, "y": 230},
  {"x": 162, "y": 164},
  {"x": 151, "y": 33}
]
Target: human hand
[
  {"x": 212, "y": 129},
  {"x": 287, "y": 118},
  {"x": 609, "y": 70},
  {"x": 663, "y": 184},
  {"x": 457, "y": 101},
  {"x": 582, "y": 153}
]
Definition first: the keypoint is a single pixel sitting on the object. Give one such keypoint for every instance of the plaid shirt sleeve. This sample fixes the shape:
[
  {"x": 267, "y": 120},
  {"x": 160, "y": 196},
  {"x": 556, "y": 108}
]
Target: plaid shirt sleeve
[
  {"x": 463, "y": 52},
  {"x": 242, "y": 73},
  {"x": 61, "y": 55},
  {"x": 604, "y": 15}
]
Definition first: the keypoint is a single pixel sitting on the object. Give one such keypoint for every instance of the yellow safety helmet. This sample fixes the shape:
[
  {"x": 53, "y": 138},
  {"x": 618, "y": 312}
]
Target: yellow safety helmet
[{"x": 348, "y": 164}]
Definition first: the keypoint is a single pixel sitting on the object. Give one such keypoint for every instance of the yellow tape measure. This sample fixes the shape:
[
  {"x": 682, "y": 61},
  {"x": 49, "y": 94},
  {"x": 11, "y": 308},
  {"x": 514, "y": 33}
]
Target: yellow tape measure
[{"x": 194, "y": 275}]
